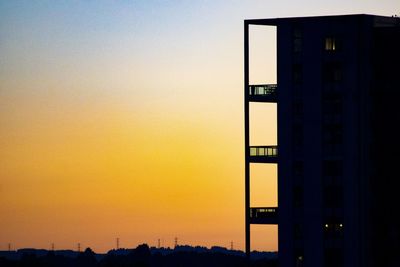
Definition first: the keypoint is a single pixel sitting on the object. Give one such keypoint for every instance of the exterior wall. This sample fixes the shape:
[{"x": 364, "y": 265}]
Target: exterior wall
[
  {"x": 284, "y": 109},
  {"x": 354, "y": 35},
  {"x": 385, "y": 220},
  {"x": 339, "y": 141}
]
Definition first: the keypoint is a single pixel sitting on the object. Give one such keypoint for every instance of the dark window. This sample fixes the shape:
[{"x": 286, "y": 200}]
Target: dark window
[
  {"x": 333, "y": 229},
  {"x": 332, "y": 134},
  {"x": 297, "y": 111},
  {"x": 332, "y": 102},
  {"x": 297, "y": 137},
  {"x": 333, "y": 196},
  {"x": 297, "y": 74},
  {"x": 332, "y": 109},
  {"x": 333, "y": 257},
  {"x": 332, "y": 127},
  {"x": 297, "y": 40},
  {"x": 299, "y": 257},
  {"x": 332, "y": 118},
  {"x": 332, "y": 72},
  {"x": 298, "y": 231},
  {"x": 298, "y": 196},
  {"x": 332, "y": 168},
  {"x": 298, "y": 168},
  {"x": 298, "y": 108}
]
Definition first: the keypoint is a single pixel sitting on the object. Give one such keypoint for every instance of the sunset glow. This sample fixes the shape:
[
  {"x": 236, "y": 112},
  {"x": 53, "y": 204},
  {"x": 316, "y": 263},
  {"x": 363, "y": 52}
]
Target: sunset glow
[{"x": 125, "y": 119}]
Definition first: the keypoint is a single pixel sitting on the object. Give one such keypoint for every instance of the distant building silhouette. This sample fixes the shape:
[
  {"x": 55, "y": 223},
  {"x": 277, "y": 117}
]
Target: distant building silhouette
[
  {"x": 142, "y": 255},
  {"x": 338, "y": 106}
]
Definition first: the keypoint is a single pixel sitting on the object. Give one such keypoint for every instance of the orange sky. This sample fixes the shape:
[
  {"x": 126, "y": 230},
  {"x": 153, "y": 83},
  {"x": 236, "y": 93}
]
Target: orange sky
[
  {"x": 95, "y": 174},
  {"x": 126, "y": 120}
]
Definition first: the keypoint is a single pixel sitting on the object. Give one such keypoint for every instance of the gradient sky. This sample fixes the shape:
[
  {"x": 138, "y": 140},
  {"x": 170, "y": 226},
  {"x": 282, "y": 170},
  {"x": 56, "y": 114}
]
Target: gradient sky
[{"x": 125, "y": 119}]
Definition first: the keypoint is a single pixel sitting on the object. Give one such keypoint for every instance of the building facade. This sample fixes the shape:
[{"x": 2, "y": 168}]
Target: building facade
[{"x": 337, "y": 95}]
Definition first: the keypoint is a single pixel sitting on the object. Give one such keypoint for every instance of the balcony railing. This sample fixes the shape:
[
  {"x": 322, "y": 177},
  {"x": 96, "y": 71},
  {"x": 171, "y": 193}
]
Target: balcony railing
[
  {"x": 265, "y": 212},
  {"x": 264, "y": 215},
  {"x": 262, "y": 89},
  {"x": 263, "y": 92},
  {"x": 263, "y": 151}
]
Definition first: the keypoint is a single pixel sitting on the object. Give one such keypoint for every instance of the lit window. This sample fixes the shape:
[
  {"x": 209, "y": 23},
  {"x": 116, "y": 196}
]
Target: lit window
[
  {"x": 333, "y": 230},
  {"x": 330, "y": 44}
]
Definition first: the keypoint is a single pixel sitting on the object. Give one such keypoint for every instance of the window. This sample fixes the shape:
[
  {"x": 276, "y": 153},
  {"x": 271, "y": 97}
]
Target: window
[
  {"x": 333, "y": 257},
  {"x": 330, "y": 44},
  {"x": 333, "y": 229},
  {"x": 297, "y": 74},
  {"x": 299, "y": 261},
  {"x": 299, "y": 257},
  {"x": 332, "y": 72},
  {"x": 332, "y": 146},
  {"x": 333, "y": 196},
  {"x": 332, "y": 102},
  {"x": 332, "y": 168},
  {"x": 298, "y": 168},
  {"x": 298, "y": 231},
  {"x": 297, "y": 134},
  {"x": 298, "y": 108},
  {"x": 332, "y": 134},
  {"x": 298, "y": 196},
  {"x": 297, "y": 40}
]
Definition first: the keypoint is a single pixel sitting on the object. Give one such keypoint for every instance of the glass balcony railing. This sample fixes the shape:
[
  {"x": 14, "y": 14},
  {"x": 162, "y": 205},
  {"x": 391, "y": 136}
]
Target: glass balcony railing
[
  {"x": 264, "y": 213},
  {"x": 264, "y": 151},
  {"x": 263, "y": 90}
]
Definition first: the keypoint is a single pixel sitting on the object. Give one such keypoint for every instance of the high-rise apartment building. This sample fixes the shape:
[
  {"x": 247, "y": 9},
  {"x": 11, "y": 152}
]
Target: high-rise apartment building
[{"x": 338, "y": 151}]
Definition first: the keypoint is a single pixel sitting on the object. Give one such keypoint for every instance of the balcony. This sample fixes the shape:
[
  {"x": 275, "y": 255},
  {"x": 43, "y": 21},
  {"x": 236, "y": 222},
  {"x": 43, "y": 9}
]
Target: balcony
[
  {"x": 263, "y": 154},
  {"x": 263, "y": 93},
  {"x": 264, "y": 215}
]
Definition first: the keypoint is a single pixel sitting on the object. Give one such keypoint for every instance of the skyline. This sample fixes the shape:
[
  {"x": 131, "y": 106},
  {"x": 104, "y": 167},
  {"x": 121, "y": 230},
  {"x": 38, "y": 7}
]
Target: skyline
[{"x": 125, "y": 120}]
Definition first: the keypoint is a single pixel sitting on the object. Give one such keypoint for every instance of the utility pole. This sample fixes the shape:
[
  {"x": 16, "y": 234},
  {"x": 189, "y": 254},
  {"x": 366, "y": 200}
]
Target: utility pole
[
  {"x": 176, "y": 242},
  {"x": 117, "y": 243},
  {"x": 231, "y": 245},
  {"x": 52, "y": 246},
  {"x": 9, "y": 247},
  {"x": 159, "y": 243},
  {"x": 79, "y": 247}
]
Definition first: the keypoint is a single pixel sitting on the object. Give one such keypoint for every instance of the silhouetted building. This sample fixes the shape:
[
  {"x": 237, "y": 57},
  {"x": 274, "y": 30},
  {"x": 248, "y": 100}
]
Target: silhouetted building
[{"x": 338, "y": 106}]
